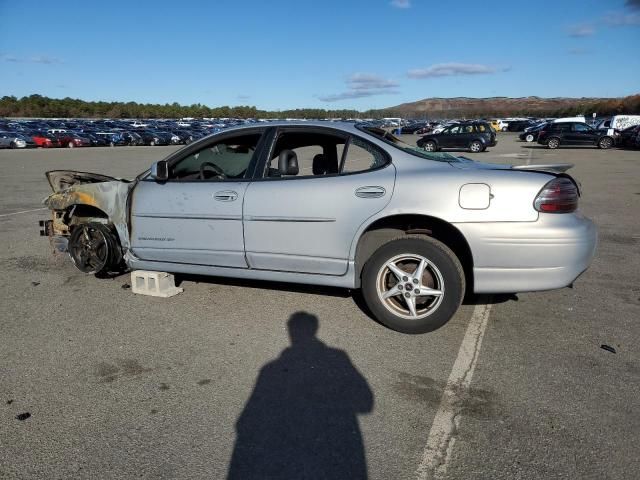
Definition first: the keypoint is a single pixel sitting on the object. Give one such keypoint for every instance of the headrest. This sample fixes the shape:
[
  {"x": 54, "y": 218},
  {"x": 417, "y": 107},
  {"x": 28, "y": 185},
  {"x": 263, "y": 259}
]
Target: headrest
[{"x": 288, "y": 163}]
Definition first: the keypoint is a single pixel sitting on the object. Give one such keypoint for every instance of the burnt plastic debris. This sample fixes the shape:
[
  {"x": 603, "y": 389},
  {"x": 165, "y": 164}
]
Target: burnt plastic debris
[
  {"x": 125, "y": 286},
  {"x": 35, "y": 284},
  {"x": 9, "y": 402},
  {"x": 608, "y": 348},
  {"x": 23, "y": 416}
]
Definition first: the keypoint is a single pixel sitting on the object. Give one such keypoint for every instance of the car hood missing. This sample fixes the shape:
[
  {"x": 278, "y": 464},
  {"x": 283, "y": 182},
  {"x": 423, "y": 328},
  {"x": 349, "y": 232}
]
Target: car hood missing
[{"x": 61, "y": 180}]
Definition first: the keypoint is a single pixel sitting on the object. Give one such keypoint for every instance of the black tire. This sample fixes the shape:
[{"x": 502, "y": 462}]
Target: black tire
[
  {"x": 476, "y": 146},
  {"x": 430, "y": 146},
  {"x": 95, "y": 248},
  {"x": 445, "y": 269},
  {"x": 13, "y": 145},
  {"x": 553, "y": 143},
  {"x": 605, "y": 143}
]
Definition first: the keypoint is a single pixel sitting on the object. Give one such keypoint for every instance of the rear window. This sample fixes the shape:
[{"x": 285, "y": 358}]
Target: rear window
[{"x": 394, "y": 141}]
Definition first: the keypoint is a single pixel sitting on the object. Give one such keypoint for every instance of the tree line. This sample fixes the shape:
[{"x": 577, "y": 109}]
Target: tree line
[{"x": 45, "y": 107}]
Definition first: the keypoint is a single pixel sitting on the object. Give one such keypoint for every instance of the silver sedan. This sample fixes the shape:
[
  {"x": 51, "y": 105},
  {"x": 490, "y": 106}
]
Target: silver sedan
[{"x": 344, "y": 205}]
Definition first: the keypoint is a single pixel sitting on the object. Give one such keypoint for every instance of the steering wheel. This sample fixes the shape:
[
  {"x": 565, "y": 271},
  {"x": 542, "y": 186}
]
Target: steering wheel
[{"x": 217, "y": 170}]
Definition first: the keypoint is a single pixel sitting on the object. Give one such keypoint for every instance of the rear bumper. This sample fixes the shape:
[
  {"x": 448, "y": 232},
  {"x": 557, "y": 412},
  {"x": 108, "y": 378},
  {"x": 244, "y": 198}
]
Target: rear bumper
[{"x": 512, "y": 257}]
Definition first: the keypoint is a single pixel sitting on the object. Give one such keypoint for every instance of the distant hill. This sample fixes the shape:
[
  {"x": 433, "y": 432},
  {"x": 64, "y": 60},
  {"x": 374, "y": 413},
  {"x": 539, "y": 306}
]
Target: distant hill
[{"x": 506, "y": 106}]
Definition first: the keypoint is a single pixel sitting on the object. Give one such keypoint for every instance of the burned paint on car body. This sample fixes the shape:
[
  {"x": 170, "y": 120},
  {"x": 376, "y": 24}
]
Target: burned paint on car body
[{"x": 80, "y": 189}]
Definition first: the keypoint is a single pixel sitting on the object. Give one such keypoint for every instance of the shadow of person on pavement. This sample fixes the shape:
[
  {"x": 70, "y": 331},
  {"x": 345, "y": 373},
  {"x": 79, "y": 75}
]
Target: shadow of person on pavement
[{"x": 301, "y": 419}]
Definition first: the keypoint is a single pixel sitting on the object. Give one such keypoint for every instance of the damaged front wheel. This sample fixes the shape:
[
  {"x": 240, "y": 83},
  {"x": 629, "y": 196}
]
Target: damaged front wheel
[{"x": 94, "y": 248}]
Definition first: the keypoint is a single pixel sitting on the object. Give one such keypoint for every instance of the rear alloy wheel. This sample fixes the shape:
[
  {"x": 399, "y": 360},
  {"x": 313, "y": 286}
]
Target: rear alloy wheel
[
  {"x": 413, "y": 285},
  {"x": 504, "y": 129},
  {"x": 71, "y": 145},
  {"x": 475, "y": 146},
  {"x": 553, "y": 143},
  {"x": 430, "y": 146},
  {"x": 152, "y": 143},
  {"x": 94, "y": 248},
  {"x": 529, "y": 138},
  {"x": 605, "y": 143}
]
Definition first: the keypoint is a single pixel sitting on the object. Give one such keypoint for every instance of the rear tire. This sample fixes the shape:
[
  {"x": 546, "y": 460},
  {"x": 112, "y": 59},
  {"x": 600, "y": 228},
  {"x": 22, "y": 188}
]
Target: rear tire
[
  {"x": 529, "y": 138},
  {"x": 430, "y": 146},
  {"x": 605, "y": 143},
  {"x": 407, "y": 304},
  {"x": 475, "y": 146},
  {"x": 553, "y": 143},
  {"x": 71, "y": 145}
]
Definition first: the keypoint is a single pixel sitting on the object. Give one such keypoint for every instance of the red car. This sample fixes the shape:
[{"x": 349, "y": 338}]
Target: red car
[
  {"x": 71, "y": 140},
  {"x": 44, "y": 141}
]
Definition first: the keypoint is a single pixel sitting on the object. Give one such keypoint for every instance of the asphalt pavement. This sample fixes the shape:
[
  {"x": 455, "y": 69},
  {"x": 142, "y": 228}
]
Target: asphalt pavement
[{"x": 243, "y": 379}]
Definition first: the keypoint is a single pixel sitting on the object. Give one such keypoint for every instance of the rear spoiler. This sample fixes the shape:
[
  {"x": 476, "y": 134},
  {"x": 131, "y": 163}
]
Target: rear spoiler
[{"x": 550, "y": 168}]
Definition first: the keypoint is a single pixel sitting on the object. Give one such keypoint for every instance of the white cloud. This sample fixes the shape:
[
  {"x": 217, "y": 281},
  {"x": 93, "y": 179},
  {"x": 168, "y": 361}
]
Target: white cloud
[
  {"x": 368, "y": 81},
  {"x": 582, "y": 30},
  {"x": 360, "y": 85},
  {"x": 43, "y": 59},
  {"x": 617, "y": 19},
  {"x": 453, "y": 69},
  {"x": 401, "y": 3},
  {"x": 579, "y": 51}
]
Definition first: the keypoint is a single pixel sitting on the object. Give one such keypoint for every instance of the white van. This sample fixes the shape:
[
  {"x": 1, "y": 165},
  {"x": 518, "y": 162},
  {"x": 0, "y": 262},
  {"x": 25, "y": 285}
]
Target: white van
[
  {"x": 579, "y": 118},
  {"x": 618, "y": 122}
]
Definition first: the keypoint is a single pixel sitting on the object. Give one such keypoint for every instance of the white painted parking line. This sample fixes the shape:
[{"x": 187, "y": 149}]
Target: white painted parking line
[
  {"x": 23, "y": 211},
  {"x": 442, "y": 436}
]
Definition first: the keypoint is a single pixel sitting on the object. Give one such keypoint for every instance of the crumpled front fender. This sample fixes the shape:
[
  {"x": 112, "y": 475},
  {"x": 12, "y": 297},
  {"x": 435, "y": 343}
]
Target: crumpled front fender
[{"x": 109, "y": 197}]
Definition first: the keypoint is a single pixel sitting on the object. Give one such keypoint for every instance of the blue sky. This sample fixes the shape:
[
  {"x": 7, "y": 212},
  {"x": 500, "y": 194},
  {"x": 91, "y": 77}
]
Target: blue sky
[{"x": 281, "y": 54}]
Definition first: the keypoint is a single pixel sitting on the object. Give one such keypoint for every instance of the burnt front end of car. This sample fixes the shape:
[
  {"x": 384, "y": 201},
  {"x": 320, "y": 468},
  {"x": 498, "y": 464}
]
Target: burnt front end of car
[{"x": 88, "y": 215}]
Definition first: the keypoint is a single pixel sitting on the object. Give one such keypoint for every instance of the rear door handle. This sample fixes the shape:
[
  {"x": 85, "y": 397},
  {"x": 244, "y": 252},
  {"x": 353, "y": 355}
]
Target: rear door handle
[
  {"x": 225, "y": 196},
  {"x": 370, "y": 192}
]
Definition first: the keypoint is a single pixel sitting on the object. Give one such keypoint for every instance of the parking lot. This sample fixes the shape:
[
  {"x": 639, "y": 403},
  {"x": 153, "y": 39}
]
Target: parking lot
[{"x": 227, "y": 377}]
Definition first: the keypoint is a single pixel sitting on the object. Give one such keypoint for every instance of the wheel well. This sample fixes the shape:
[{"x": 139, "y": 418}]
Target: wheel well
[
  {"x": 388, "y": 228},
  {"x": 83, "y": 213}
]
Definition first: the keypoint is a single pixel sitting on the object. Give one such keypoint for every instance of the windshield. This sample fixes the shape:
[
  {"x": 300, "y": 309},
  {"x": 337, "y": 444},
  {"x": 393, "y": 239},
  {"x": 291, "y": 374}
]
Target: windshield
[{"x": 405, "y": 147}]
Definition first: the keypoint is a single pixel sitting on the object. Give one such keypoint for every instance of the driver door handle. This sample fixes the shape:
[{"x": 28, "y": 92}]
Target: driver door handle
[{"x": 225, "y": 196}]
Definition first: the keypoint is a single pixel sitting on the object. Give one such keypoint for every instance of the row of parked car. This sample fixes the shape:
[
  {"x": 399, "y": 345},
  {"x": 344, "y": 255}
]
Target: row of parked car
[
  {"x": 619, "y": 130},
  {"x": 97, "y": 133},
  {"x": 477, "y": 135}
]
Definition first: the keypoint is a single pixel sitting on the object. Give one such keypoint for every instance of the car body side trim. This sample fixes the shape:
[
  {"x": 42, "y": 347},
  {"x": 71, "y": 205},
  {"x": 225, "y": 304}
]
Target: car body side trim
[
  {"x": 348, "y": 280},
  {"x": 261, "y": 218},
  {"x": 188, "y": 216}
]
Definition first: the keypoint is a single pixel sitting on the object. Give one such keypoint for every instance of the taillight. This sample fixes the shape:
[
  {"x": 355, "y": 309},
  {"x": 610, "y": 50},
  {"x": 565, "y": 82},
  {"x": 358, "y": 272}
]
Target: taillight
[{"x": 560, "y": 195}]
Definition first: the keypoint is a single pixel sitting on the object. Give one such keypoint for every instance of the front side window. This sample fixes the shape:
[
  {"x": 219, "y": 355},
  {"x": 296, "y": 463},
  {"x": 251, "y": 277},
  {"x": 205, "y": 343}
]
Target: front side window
[
  {"x": 579, "y": 127},
  {"x": 227, "y": 159}
]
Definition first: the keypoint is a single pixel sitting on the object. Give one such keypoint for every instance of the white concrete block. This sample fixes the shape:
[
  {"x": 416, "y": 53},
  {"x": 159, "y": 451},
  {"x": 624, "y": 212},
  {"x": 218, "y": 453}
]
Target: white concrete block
[{"x": 155, "y": 284}]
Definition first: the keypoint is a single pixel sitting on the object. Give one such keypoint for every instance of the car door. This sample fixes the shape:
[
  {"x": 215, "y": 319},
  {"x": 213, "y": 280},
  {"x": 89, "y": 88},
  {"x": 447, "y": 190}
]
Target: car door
[
  {"x": 582, "y": 134},
  {"x": 447, "y": 138},
  {"x": 195, "y": 217},
  {"x": 305, "y": 221}
]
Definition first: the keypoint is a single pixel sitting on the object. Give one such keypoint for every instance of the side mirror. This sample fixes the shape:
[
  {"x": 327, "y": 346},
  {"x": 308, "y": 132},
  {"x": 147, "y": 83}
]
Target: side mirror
[{"x": 160, "y": 171}]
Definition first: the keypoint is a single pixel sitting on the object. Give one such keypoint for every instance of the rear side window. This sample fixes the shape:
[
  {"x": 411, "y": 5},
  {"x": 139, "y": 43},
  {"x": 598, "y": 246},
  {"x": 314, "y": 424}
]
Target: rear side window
[
  {"x": 561, "y": 127},
  {"x": 362, "y": 156}
]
